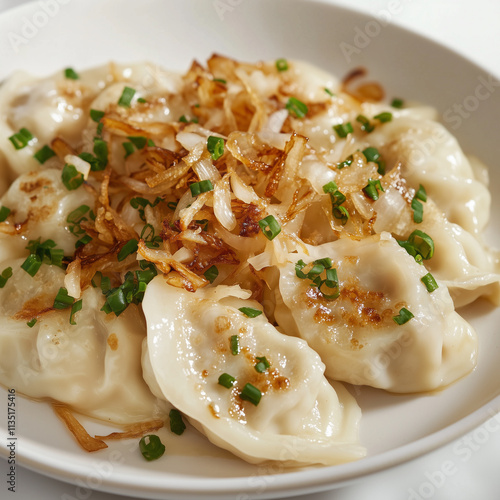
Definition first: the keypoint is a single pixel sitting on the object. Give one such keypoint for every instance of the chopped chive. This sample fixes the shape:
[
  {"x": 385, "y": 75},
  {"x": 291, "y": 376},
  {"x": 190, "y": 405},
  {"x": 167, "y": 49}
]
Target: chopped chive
[
  {"x": 403, "y": 317},
  {"x": 201, "y": 187},
  {"x": 371, "y": 154},
  {"x": 343, "y": 129},
  {"x": 151, "y": 447},
  {"x": 346, "y": 163},
  {"x": 397, "y": 103},
  {"x": 71, "y": 74},
  {"x": 141, "y": 100},
  {"x": 281, "y": 64},
  {"x": 418, "y": 211},
  {"x": 298, "y": 269},
  {"x": 31, "y": 323},
  {"x": 421, "y": 194},
  {"x": 234, "y": 343},
  {"x": 211, "y": 273},
  {"x": 419, "y": 245},
  {"x": 63, "y": 300},
  {"x": 371, "y": 189},
  {"x": 226, "y": 380},
  {"x": 101, "y": 151},
  {"x": 366, "y": 126},
  {"x": 270, "y": 227},
  {"x": 77, "y": 306},
  {"x": 116, "y": 301},
  {"x": 83, "y": 241},
  {"x": 172, "y": 205},
  {"x": 95, "y": 164},
  {"x": 383, "y": 117},
  {"x": 4, "y": 213},
  {"x": 44, "y": 154},
  {"x": 177, "y": 425},
  {"x": 127, "y": 249},
  {"x": 183, "y": 119},
  {"x": 220, "y": 80},
  {"x": 126, "y": 97},
  {"x": 326, "y": 262},
  {"x": 342, "y": 214},
  {"x": 96, "y": 115},
  {"x": 296, "y": 107},
  {"x": 77, "y": 215},
  {"x": 250, "y": 312},
  {"x": 4, "y": 277},
  {"x": 331, "y": 187},
  {"x": 71, "y": 178},
  {"x": 138, "y": 141},
  {"x": 262, "y": 365},
  {"x": 429, "y": 282},
  {"x": 21, "y": 139},
  {"x": 215, "y": 146},
  {"x": 329, "y": 92},
  {"x": 32, "y": 264},
  {"x": 129, "y": 148},
  {"x": 251, "y": 393}
]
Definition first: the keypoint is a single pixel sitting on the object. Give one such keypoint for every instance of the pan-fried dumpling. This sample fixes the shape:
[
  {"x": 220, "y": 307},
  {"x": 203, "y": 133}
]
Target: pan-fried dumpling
[
  {"x": 467, "y": 267},
  {"x": 92, "y": 366},
  {"x": 431, "y": 156},
  {"x": 41, "y": 203},
  {"x": 356, "y": 335},
  {"x": 300, "y": 417}
]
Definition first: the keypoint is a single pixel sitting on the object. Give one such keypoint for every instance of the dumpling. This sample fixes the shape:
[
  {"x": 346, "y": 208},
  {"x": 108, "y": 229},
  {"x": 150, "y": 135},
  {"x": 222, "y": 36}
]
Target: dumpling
[
  {"x": 431, "y": 156},
  {"x": 41, "y": 204},
  {"x": 466, "y": 266},
  {"x": 297, "y": 415},
  {"x": 356, "y": 335},
  {"x": 92, "y": 366}
]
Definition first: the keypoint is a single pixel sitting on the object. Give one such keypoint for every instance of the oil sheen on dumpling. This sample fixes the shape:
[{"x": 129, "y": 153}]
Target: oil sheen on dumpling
[
  {"x": 92, "y": 366},
  {"x": 356, "y": 335},
  {"x": 301, "y": 418}
]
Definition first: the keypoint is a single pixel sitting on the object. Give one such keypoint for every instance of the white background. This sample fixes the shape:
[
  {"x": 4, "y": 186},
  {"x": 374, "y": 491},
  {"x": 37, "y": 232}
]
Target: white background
[{"x": 470, "y": 27}]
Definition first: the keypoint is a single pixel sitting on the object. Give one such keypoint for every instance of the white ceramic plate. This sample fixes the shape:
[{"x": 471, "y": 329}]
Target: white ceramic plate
[{"x": 171, "y": 33}]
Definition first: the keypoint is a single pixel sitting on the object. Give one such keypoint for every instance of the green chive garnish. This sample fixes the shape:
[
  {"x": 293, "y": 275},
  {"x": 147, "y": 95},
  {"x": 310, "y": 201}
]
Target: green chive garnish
[
  {"x": 201, "y": 187},
  {"x": 250, "y": 312},
  {"x": 71, "y": 178},
  {"x": 397, "y": 103},
  {"x": 63, "y": 300},
  {"x": 429, "y": 282},
  {"x": 371, "y": 189},
  {"x": 31, "y": 323},
  {"x": 251, "y": 393},
  {"x": 177, "y": 425},
  {"x": 4, "y": 213},
  {"x": 126, "y": 97},
  {"x": 4, "y": 277},
  {"x": 270, "y": 227},
  {"x": 211, "y": 273},
  {"x": 366, "y": 126},
  {"x": 215, "y": 146},
  {"x": 77, "y": 306},
  {"x": 32, "y": 264},
  {"x": 101, "y": 151},
  {"x": 234, "y": 343},
  {"x": 262, "y": 365},
  {"x": 44, "y": 154},
  {"x": 418, "y": 211},
  {"x": 151, "y": 447},
  {"x": 343, "y": 129},
  {"x": 226, "y": 380},
  {"x": 96, "y": 115},
  {"x": 21, "y": 139},
  {"x": 71, "y": 74},
  {"x": 403, "y": 317},
  {"x": 296, "y": 107},
  {"x": 383, "y": 117},
  {"x": 281, "y": 64},
  {"x": 127, "y": 249}
]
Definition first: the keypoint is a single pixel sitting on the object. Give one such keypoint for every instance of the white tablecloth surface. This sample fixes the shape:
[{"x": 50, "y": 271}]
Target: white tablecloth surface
[{"x": 472, "y": 29}]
